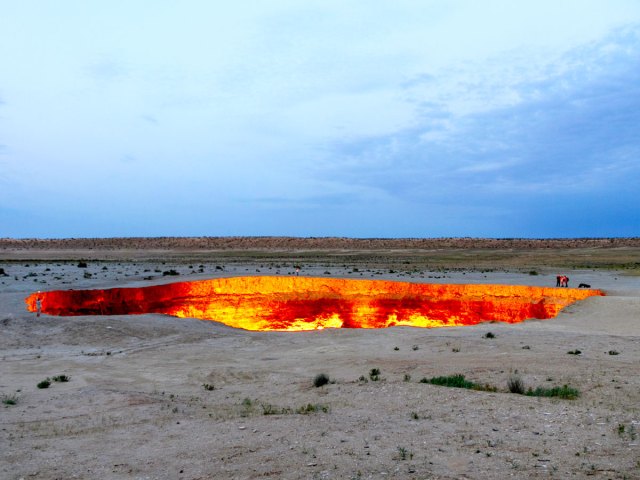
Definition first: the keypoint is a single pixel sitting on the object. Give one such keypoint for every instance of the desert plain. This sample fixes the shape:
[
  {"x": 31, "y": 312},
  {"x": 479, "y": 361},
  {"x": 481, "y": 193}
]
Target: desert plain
[{"x": 157, "y": 397}]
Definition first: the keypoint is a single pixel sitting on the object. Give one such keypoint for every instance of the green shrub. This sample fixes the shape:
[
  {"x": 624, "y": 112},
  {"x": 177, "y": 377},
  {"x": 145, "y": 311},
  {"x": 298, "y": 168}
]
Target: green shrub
[
  {"x": 404, "y": 454},
  {"x": 374, "y": 374},
  {"x": 46, "y": 383},
  {"x": 458, "y": 381},
  {"x": 320, "y": 380},
  {"x": 268, "y": 409},
  {"x": 311, "y": 408},
  {"x": 9, "y": 400},
  {"x": 630, "y": 433},
  {"x": 61, "y": 378},
  {"x": 515, "y": 384},
  {"x": 565, "y": 392}
]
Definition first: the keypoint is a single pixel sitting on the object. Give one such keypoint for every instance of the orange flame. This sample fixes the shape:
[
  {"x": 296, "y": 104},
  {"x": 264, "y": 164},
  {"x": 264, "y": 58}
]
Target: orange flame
[{"x": 308, "y": 303}]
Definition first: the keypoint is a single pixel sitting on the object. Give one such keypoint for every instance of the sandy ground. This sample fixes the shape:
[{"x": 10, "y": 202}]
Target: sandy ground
[{"x": 136, "y": 407}]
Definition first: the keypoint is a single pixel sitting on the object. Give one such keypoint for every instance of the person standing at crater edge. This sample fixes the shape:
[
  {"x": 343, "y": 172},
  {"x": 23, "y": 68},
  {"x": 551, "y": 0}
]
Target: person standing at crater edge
[{"x": 38, "y": 305}]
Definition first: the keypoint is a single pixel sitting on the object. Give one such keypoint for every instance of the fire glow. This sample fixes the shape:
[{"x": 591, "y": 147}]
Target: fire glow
[{"x": 309, "y": 303}]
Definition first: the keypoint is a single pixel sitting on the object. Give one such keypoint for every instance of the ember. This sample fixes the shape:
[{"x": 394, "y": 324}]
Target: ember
[{"x": 308, "y": 303}]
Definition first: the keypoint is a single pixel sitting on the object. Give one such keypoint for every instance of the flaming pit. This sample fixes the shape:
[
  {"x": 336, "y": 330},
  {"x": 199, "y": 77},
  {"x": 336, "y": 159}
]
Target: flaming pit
[{"x": 309, "y": 303}]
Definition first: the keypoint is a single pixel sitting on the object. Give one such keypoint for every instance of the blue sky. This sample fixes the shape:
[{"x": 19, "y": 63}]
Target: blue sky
[{"x": 320, "y": 118}]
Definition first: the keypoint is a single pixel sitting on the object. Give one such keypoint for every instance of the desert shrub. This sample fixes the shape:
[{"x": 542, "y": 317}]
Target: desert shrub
[
  {"x": 484, "y": 388},
  {"x": 614, "y": 352},
  {"x": 629, "y": 432},
  {"x": 565, "y": 392},
  {"x": 363, "y": 379},
  {"x": 515, "y": 384},
  {"x": 61, "y": 378},
  {"x": 404, "y": 454},
  {"x": 82, "y": 264},
  {"x": 171, "y": 272},
  {"x": 533, "y": 272},
  {"x": 407, "y": 377},
  {"x": 489, "y": 335},
  {"x": 574, "y": 352},
  {"x": 312, "y": 408},
  {"x": 458, "y": 381},
  {"x": 268, "y": 409},
  {"x": 246, "y": 407},
  {"x": 374, "y": 374},
  {"x": 46, "y": 383},
  {"x": 9, "y": 400},
  {"x": 208, "y": 387},
  {"x": 320, "y": 380}
]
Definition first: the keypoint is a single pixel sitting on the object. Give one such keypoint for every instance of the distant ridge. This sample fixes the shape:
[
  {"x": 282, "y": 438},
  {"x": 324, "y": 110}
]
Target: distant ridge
[{"x": 308, "y": 243}]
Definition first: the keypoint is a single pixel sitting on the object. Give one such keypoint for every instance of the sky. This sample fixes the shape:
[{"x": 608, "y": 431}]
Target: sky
[{"x": 399, "y": 118}]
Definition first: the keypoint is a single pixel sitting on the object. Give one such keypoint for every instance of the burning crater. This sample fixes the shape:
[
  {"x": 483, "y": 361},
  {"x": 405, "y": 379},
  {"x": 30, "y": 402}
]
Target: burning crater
[{"x": 308, "y": 303}]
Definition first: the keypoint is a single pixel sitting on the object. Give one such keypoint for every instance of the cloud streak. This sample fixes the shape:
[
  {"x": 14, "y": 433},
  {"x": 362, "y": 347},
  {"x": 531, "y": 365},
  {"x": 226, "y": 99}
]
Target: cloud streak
[{"x": 574, "y": 129}]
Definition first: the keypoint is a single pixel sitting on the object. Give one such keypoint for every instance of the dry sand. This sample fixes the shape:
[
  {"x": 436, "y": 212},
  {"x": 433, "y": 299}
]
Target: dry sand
[{"x": 135, "y": 406}]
